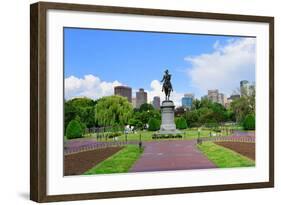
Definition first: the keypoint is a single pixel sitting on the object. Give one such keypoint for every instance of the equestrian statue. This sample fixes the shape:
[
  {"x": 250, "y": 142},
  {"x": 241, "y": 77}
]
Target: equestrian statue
[{"x": 167, "y": 85}]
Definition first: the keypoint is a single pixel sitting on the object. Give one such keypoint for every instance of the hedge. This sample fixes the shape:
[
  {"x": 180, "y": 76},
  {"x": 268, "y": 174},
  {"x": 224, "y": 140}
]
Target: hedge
[{"x": 74, "y": 130}]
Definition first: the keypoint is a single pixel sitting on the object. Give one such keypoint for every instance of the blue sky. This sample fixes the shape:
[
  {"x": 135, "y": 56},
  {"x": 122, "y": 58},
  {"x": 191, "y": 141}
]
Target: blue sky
[{"x": 138, "y": 58}]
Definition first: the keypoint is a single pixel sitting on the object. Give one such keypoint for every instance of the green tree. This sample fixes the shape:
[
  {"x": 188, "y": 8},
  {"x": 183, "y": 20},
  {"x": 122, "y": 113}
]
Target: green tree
[
  {"x": 84, "y": 108},
  {"x": 181, "y": 123},
  {"x": 196, "y": 104},
  {"x": 241, "y": 108},
  {"x": 87, "y": 116},
  {"x": 145, "y": 107},
  {"x": 249, "y": 122},
  {"x": 113, "y": 110},
  {"x": 205, "y": 114},
  {"x": 245, "y": 105},
  {"x": 70, "y": 112},
  {"x": 180, "y": 111},
  {"x": 82, "y": 124},
  {"x": 192, "y": 118},
  {"x": 219, "y": 112},
  {"x": 73, "y": 130},
  {"x": 141, "y": 116},
  {"x": 153, "y": 124}
]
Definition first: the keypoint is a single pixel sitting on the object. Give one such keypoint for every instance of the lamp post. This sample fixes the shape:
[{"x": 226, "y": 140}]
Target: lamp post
[
  {"x": 126, "y": 137},
  {"x": 199, "y": 141},
  {"x": 140, "y": 142}
]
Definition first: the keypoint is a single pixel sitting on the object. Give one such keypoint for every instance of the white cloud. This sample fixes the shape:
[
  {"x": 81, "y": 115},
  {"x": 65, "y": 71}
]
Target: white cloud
[
  {"x": 89, "y": 86},
  {"x": 156, "y": 90},
  {"x": 225, "y": 67},
  {"x": 92, "y": 87}
]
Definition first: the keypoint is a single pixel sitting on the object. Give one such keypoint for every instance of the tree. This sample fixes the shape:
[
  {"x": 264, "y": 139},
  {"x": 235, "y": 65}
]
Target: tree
[
  {"x": 219, "y": 112},
  {"x": 241, "y": 108},
  {"x": 84, "y": 108},
  {"x": 113, "y": 110},
  {"x": 196, "y": 104},
  {"x": 249, "y": 122},
  {"x": 181, "y": 123},
  {"x": 87, "y": 116},
  {"x": 73, "y": 130},
  {"x": 82, "y": 124},
  {"x": 192, "y": 118},
  {"x": 153, "y": 124},
  {"x": 244, "y": 105},
  {"x": 70, "y": 112},
  {"x": 140, "y": 117},
  {"x": 179, "y": 111},
  {"x": 145, "y": 107}
]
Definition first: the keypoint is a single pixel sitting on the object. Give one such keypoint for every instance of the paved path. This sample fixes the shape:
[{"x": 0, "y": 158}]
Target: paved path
[{"x": 171, "y": 155}]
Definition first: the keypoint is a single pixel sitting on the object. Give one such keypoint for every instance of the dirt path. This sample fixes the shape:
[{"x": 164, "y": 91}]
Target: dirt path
[
  {"x": 171, "y": 155},
  {"x": 78, "y": 163}
]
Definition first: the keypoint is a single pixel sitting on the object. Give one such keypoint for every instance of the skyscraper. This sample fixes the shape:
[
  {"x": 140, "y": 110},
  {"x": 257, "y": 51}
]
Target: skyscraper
[
  {"x": 187, "y": 100},
  {"x": 213, "y": 95},
  {"x": 244, "y": 87},
  {"x": 141, "y": 97},
  {"x": 124, "y": 91},
  {"x": 216, "y": 97},
  {"x": 221, "y": 98},
  {"x": 134, "y": 102},
  {"x": 156, "y": 102}
]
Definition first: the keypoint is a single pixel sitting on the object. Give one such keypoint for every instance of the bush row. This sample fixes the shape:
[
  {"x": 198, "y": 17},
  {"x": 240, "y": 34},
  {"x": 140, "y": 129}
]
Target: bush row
[
  {"x": 166, "y": 136},
  {"x": 109, "y": 135}
]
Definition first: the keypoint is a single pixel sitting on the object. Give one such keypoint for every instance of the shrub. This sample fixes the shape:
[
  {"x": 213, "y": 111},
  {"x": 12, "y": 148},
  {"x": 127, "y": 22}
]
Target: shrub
[
  {"x": 216, "y": 129},
  {"x": 73, "y": 130},
  {"x": 179, "y": 136},
  {"x": 114, "y": 134},
  {"x": 181, "y": 123},
  {"x": 249, "y": 122},
  {"x": 153, "y": 124}
]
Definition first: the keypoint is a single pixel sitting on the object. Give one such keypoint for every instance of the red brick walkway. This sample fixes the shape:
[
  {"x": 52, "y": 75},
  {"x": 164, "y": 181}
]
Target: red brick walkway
[{"x": 171, "y": 155}]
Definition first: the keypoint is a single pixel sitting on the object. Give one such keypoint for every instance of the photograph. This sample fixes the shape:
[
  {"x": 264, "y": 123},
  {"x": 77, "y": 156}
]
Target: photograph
[{"x": 147, "y": 101}]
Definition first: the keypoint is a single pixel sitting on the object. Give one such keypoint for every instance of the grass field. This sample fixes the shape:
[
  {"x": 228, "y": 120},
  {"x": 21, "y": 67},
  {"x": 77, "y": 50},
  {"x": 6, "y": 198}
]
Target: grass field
[
  {"x": 120, "y": 162},
  {"x": 188, "y": 134},
  {"x": 223, "y": 157}
]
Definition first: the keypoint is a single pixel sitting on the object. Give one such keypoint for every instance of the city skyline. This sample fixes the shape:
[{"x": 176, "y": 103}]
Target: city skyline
[
  {"x": 212, "y": 95},
  {"x": 137, "y": 59}
]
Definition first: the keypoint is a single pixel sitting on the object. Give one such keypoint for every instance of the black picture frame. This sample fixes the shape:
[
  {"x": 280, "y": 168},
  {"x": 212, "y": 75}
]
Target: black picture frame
[{"x": 38, "y": 100}]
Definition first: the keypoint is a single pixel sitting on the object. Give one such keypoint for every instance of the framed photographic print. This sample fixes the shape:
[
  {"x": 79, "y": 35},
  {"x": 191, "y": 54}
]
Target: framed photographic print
[{"x": 135, "y": 102}]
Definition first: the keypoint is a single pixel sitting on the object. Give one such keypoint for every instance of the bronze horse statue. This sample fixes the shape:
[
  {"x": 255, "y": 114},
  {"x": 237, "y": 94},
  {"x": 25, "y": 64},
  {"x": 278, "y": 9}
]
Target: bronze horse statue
[{"x": 167, "y": 85}]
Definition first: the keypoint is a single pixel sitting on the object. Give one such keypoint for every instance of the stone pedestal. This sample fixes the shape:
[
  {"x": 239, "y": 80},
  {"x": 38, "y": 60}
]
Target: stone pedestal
[{"x": 168, "y": 125}]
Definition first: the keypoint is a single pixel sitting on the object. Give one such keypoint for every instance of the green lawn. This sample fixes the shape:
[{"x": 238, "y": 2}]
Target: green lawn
[
  {"x": 223, "y": 157},
  {"x": 188, "y": 134},
  {"x": 120, "y": 162}
]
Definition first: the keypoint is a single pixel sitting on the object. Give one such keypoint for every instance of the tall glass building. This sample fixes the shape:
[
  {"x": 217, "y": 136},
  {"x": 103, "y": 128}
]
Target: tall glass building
[{"x": 187, "y": 100}]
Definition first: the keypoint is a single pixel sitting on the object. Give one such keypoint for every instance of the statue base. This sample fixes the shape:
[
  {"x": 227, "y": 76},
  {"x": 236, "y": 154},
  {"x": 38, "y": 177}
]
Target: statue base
[{"x": 168, "y": 125}]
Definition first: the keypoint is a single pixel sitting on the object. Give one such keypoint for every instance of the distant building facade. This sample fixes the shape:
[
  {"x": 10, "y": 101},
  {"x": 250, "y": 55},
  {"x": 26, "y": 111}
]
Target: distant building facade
[
  {"x": 221, "y": 99},
  {"x": 216, "y": 97},
  {"x": 252, "y": 90},
  {"x": 234, "y": 97},
  {"x": 230, "y": 100},
  {"x": 156, "y": 102},
  {"x": 124, "y": 91},
  {"x": 213, "y": 95},
  {"x": 134, "y": 102},
  {"x": 244, "y": 87},
  {"x": 141, "y": 97},
  {"x": 204, "y": 97},
  {"x": 187, "y": 100}
]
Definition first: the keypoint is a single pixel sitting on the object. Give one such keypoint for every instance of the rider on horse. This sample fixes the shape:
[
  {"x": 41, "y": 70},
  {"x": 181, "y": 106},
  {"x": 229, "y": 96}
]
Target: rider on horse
[{"x": 167, "y": 86}]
